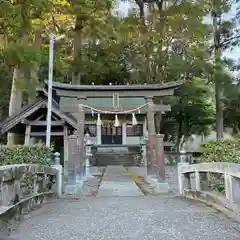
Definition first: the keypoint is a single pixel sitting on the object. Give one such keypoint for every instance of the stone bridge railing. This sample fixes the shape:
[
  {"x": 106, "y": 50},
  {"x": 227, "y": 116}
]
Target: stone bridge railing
[
  {"x": 23, "y": 187},
  {"x": 193, "y": 183}
]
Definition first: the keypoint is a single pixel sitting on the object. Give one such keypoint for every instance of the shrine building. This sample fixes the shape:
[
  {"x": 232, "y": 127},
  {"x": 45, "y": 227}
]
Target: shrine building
[{"x": 113, "y": 115}]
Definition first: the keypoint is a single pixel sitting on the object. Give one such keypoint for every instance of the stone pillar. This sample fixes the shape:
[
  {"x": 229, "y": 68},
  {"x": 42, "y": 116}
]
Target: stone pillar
[
  {"x": 160, "y": 157},
  {"x": 184, "y": 181},
  {"x": 88, "y": 148},
  {"x": 72, "y": 159},
  {"x": 232, "y": 188},
  {"x": 99, "y": 134},
  {"x": 80, "y": 142},
  {"x": 144, "y": 156},
  {"x": 124, "y": 133},
  {"x": 151, "y": 132},
  {"x": 65, "y": 144}
]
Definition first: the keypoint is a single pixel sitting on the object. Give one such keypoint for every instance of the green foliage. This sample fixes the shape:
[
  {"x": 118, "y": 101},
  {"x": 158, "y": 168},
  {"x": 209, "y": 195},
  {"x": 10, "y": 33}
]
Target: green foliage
[
  {"x": 192, "y": 110},
  {"x": 221, "y": 151},
  {"x": 26, "y": 57},
  {"x": 19, "y": 154},
  {"x": 216, "y": 182}
]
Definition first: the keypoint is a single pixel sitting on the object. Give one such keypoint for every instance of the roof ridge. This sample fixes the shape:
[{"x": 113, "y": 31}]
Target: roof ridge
[{"x": 154, "y": 86}]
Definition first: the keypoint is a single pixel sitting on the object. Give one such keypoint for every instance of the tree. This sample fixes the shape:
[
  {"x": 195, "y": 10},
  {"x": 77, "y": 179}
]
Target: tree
[
  {"x": 192, "y": 110},
  {"x": 16, "y": 23}
]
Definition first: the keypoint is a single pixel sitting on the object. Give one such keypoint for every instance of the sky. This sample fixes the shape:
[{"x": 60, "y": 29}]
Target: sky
[
  {"x": 236, "y": 52},
  {"x": 122, "y": 7}
]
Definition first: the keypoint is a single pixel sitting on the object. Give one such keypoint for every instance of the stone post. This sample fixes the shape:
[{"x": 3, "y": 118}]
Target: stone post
[
  {"x": 72, "y": 159},
  {"x": 57, "y": 158},
  {"x": 160, "y": 157},
  {"x": 144, "y": 156},
  {"x": 198, "y": 181},
  {"x": 151, "y": 133},
  {"x": 59, "y": 179},
  {"x": 228, "y": 187},
  {"x": 88, "y": 155},
  {"x": 80, "y": 143},
  {"x": 124, "y": 133},
  {"x": 99, "y": 134},
  {"x": 232, "y": 188},
  {"x": 183, "y": 179},
  {"x": 65, "y": 144}
]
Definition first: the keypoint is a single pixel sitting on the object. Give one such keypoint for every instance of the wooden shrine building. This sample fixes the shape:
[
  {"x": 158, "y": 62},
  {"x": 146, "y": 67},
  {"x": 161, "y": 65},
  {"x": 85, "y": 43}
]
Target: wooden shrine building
[{"x": 113, "y": 115}]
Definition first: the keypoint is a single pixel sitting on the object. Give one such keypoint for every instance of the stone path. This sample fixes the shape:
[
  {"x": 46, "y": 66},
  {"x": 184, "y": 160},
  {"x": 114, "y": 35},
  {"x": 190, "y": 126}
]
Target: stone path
[
  {"x": 115, "y": 182},
  {"x": 117, "y": 213}
]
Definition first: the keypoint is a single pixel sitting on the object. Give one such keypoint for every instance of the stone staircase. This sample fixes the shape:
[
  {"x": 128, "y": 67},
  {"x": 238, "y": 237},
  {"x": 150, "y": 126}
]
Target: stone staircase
[{"x": 125, "y": 159}]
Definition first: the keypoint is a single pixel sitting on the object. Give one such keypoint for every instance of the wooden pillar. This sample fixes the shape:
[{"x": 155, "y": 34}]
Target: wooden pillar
[
  {"x": 151, "y": 132},
  {"x": 80, "y": 141},
  {"x": 65, "y": 145},
  {"x": 158, "y": 116},
  {"x": 27, "y": 135}
]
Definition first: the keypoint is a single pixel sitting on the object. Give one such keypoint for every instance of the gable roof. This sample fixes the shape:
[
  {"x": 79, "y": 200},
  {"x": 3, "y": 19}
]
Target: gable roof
[
  {"x": 28, "y": 110},
  {"x": 162, "y": 86}
]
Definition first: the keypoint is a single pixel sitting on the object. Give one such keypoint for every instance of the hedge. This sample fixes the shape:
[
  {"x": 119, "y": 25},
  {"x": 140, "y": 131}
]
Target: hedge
[
  {"x": 17, "y": 154},
  {"x": 220, "y": 151}
]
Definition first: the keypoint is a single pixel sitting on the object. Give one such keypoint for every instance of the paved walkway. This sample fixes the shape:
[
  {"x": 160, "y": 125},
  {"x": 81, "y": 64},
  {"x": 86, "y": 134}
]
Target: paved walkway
[
  {"x": 114, "y": 214},
  {"x": 115, "y": 182}
]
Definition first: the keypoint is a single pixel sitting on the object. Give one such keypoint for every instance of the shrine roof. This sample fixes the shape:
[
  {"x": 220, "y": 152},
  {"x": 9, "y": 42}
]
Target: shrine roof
[
  {"x": 133, "y": 87},
  {"x": 28, "y": 110}
]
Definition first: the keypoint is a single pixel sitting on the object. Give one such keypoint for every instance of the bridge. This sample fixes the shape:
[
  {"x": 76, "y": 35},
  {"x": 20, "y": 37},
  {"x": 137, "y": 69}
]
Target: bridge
[{"x": 116, "y": 204}]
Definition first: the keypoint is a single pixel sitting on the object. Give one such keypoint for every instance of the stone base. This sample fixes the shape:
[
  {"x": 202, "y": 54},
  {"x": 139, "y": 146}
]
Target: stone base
[
  {"x": 159, "y": 187},
  {"x": 97, "y": 171},
  {"x": 74, "y": 190}
]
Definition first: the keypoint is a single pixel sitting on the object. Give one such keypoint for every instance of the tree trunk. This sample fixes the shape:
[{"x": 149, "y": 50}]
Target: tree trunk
[
  {"x": 217, "y": 75},
  {"x": 140, "y": 4},
  {"x": 34, "y": 81},
  {"x": 15, "y": 102},
  {"x": 179, "y": 132},
  {"x": 77, "y": 47}
]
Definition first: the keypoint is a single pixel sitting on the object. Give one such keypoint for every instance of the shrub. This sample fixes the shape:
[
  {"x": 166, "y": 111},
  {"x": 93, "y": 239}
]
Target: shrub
[
  {"x": 18, "y": 154},
  {"x": 220, "y": 151}
]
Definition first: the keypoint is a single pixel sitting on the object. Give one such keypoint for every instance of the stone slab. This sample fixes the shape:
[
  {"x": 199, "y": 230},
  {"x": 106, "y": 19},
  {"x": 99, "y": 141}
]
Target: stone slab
[
  {"x": 116, "y": 183},
  {"x": 138, "y": 171},
  {"x": 119, "y": 189}
]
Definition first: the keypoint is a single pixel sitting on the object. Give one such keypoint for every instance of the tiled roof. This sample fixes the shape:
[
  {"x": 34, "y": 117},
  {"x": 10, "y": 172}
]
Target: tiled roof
[{"x": 138, "y": 87}]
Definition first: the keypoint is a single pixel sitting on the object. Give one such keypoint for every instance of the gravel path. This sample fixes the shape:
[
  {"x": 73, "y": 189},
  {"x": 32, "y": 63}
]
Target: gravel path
[
  {"x": 128, "y": 218},
  {"x": 125, "y": 218}
]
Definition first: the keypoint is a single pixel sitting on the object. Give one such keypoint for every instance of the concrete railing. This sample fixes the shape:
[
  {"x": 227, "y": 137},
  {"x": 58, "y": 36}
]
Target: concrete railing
[
  {"x": 196, "y": 188},
  {"x": 25, "y": 186}
]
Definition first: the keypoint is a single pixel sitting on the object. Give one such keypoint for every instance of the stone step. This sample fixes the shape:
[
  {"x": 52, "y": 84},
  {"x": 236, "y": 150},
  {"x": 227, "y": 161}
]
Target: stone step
[{"x": 125, "y": 159}]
